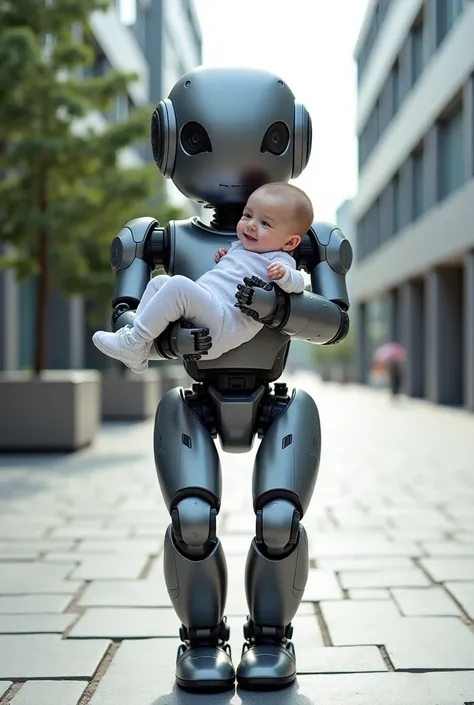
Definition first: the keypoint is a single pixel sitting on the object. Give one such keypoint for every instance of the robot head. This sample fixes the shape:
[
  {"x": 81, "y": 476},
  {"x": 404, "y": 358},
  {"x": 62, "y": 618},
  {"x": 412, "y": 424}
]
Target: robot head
[{"x": 224, "y": 132}]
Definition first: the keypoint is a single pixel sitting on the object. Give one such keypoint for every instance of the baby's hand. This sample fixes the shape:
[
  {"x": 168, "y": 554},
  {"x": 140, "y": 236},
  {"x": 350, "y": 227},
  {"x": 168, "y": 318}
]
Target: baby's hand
[
  {"x": 276, "y": 270},
  {"x": 220, "y": 254}
]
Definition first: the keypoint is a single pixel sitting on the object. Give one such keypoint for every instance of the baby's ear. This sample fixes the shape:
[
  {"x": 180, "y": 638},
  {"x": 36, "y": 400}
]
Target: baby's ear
[{"x": 292, "y": 243}]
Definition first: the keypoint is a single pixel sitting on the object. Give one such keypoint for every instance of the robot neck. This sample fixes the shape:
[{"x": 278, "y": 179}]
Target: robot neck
[{"x": 226, "y": 216}]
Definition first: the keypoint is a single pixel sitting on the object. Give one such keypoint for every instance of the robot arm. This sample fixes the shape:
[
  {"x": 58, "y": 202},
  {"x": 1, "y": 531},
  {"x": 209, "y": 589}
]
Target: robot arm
[
  {"x": 138, "y": 248},
  {"x": 319, "y": 316},
  {"x": 132, "y": 259}
]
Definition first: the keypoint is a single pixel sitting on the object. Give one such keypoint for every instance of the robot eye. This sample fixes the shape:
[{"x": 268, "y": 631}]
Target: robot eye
[
  {"x": 194, "y": 139},
  {"x": 277, "y": 139}
]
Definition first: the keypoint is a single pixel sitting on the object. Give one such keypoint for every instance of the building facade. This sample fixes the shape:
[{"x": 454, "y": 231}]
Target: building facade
[
  {"x": 414, "y": 208},
  {"x": 170, "y": 37},
  {"x": 162, "y": 43}
]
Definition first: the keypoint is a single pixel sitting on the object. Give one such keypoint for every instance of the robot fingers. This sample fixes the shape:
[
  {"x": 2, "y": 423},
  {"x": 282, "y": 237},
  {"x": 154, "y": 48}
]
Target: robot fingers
[
  {"x": 247, "y": 311},
  {"x": 257, "y": 282},
  {"x": 202, "y": 340},
  {"x": 244, "y": 295}
]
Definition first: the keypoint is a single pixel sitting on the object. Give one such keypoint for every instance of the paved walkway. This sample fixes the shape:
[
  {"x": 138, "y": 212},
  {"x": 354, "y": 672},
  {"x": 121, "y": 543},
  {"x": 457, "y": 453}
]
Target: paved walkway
[{"x": 388, "y": 613}]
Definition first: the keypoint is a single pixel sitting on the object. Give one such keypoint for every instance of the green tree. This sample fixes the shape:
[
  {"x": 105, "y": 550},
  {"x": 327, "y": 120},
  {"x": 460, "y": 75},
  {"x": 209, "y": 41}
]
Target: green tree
[{"x": 63, "y": 190}]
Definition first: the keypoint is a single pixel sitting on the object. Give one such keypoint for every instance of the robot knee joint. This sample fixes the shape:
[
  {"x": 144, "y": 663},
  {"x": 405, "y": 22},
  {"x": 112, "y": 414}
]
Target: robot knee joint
[
  {"x": 194, "y": 522},
  {"x": 277, "y": 524}
]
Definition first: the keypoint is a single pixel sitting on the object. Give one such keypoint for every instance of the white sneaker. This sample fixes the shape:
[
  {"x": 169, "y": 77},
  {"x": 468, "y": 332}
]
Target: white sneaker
[{"x": 123, "y": 346}]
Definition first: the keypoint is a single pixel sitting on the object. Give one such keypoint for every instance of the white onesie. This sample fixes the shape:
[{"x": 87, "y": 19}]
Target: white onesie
[{"x": 209, "y": 301}]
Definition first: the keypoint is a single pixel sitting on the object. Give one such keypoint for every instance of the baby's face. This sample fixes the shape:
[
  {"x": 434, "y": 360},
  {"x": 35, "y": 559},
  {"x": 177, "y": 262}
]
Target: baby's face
[{"x": 266, "y": 224}]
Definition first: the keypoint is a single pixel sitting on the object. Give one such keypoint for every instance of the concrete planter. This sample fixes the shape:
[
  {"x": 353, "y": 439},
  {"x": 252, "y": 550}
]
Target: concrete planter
[
  {"x": 130, "y": 397},
  {"x": 59, "y": 411}
]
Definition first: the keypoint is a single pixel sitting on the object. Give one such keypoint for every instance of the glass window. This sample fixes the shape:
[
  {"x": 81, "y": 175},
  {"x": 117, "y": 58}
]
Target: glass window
[
  {"x": 452, "y": 166},
  {"x": 418, "y": 184},
  {"x": 417, "y": 53},
  {"x": 395, "y": 88},
  {"x": 396, "y": 204},
  {"x": 448, "y": 12}
]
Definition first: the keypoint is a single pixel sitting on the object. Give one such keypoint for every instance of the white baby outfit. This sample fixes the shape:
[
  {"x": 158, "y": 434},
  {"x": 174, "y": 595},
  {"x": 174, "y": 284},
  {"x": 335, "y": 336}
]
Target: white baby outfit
[{"x": 209, "y": 301}]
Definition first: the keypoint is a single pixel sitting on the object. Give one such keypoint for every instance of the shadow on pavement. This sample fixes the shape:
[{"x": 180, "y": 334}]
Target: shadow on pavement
[{"x": 287, "y": 696}]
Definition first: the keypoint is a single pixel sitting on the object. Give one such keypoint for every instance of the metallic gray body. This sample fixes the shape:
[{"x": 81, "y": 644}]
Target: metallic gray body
[{"x": 233, "y": 399}]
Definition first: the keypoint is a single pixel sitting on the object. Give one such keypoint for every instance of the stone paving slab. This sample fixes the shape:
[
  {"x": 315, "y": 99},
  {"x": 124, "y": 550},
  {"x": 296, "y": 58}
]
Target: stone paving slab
[
  {"x": 369, "y": 594},
  {"x": 464, "y": 594},
  {"x": 365, "y": 564},
  {"x": 448, "y": 548},
  {"x": 38, "y": 578},
  {"x": 34, "y": 604},
  {"x": 48, "y": 656},
  {"x": 126, "y": 624},
  {"x": 48, "y": 692},
  {"x": 322, "y": 585},
  {"x": 442, "y": 569},
  {"x": 35, "y": 623},
  {"x": 385, "y": 617},
  {"x": 430, "y": 644},
  {"x": 120, "y": 566},
  {"x": 429, "y": 602},
  {"x": 141, "y": 674},
  {"x": 410, "y": 577}
]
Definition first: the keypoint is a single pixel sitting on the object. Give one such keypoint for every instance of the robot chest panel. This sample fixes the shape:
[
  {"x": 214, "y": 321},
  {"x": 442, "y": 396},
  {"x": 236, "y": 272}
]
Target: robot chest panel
[{"x": 194, "y": 250}]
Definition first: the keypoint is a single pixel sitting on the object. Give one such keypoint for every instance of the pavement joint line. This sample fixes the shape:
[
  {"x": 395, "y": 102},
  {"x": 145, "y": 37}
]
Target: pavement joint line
[
  {"x": 392, "y": 597},
  {"x": 10, "y": 694},
  {"x": 145, "y": 572},
  {"x": 323, "y": 627},
  {"x": 99, "y": 673},
  {"x": 386, "y": 658},
  {"x": 416, "y": 561},
  {"x": 464, "y": 617},
  {"x": 74, "y": 608}
]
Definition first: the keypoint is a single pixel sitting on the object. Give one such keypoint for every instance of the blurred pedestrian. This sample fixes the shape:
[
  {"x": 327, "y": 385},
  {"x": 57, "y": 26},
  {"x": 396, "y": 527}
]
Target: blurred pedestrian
[{"x": 392, "y": 356}]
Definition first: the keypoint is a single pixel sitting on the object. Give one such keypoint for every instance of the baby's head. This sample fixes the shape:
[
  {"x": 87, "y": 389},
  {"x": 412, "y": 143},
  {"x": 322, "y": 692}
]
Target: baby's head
[{"x": 276, "y": 217}]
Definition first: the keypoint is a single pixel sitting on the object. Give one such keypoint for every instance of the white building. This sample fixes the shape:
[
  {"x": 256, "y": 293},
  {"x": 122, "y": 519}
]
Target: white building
[{"x": 414, "y": 209}]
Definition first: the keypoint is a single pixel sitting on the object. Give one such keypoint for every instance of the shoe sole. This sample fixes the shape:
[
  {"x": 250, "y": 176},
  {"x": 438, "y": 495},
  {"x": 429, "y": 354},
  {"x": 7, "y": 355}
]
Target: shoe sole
[
  {"x": 206, "y": 686},
  {"x": 265, "y": 683},
  {"x": 106, "y": 351}
]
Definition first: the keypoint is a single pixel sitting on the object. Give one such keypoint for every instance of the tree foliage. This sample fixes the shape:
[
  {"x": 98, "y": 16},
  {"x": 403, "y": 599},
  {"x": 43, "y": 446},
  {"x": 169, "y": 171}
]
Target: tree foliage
[{"x": 64, "y": 192}]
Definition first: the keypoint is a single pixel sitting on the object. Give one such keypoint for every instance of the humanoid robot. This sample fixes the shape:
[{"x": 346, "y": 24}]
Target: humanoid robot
[{"x": 220, "y": 135}]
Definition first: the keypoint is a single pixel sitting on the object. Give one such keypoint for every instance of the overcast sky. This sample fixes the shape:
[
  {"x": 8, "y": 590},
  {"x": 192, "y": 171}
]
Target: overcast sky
[{"x": 310, "y": 44}]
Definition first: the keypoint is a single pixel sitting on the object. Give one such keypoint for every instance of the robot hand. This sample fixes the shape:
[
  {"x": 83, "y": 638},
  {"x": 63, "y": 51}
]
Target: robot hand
[
  {"x": 258, "y": 299},
  {"x": 188, "y": 342},
  {"x": 122, "y": 315}
]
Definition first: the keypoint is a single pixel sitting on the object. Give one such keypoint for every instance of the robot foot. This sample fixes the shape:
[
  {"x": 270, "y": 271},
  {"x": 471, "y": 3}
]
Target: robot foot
[
  {"x": 205, "y": 668},
  {"x": 268, "y": 665}
]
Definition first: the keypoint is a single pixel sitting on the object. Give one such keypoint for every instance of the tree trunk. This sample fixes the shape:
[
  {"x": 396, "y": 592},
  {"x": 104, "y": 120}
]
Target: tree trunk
[{"x": 42, "y": 299}]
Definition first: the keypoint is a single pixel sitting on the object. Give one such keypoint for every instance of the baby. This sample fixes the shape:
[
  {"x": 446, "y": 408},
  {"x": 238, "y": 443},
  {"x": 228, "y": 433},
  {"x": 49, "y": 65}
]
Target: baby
[{"x": 273, "y": 222}]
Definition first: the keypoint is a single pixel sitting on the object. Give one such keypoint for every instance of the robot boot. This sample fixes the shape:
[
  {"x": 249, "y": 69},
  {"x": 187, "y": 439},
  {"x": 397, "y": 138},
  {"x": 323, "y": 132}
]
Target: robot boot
[
  {"x": 278, "y": 561},
  {"x": 274, "y": 591},
  {"x": 194, "y": 564},
  {"x": 198, "y": 590}
]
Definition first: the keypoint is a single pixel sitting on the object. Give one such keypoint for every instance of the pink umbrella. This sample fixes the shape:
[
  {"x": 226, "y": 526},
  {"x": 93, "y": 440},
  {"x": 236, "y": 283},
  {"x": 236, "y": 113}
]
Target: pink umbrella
[{"x": 390, "y": 352}]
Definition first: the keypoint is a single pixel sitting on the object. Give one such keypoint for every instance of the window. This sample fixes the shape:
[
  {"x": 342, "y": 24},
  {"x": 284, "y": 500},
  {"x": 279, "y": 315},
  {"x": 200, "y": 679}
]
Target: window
[
  {"x": 396, "y": 204},
  {"x": 418, "y": 184},
  {"x": 448, "y": 12},
  {"x": 416, "y": 53},
  {"x": 451, "y": 144},
  {"x": 395, "y": 87}
]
